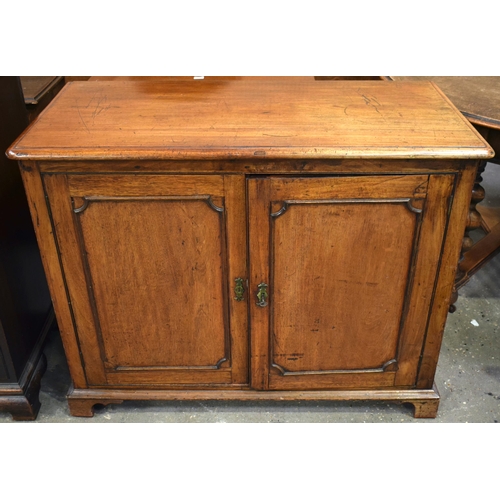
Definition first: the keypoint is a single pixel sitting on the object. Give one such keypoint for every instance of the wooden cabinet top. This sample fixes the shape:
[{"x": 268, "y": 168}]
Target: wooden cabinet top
[
  {"x": 249, "y": 119},
  {"x": 477, "y": 97}
]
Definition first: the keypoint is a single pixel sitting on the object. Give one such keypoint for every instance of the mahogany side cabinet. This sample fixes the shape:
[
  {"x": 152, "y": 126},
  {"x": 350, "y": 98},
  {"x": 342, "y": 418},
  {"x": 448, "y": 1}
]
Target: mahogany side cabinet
[{"x": 250, "y": 240}]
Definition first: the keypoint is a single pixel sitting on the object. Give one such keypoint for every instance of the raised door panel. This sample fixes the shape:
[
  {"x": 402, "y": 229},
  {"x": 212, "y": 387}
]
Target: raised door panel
[
  {"x": 341, "y": 260},
  {"x": 340, "y": 292},
  {"x": 150, "y": 262}
]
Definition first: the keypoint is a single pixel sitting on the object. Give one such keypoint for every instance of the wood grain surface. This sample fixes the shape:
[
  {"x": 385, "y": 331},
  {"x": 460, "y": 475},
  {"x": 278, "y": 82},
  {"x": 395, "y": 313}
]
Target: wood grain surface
[
  {"x": 425, "y": 401},
  {"x": 150, "y": 278},
  {"x": 350, "y": 270},
  {"x": 347, "y": 199},
  {"x": 191, "y": 78},
  {"x": 337, "y": 303},
  {"x": 250, "y": 119},
  {"x": 478, "y": 97}
]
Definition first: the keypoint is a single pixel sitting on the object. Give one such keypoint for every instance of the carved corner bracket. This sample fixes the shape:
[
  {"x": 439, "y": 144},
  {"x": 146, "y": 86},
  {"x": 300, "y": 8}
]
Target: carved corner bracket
[
  {"x": 82, "y": 207},
  {"x": 281, "y": 211},
  {"x": 412, "y": 208},
  {"x": 220, "y": 362},
  {"x": 212, "y": 205}
]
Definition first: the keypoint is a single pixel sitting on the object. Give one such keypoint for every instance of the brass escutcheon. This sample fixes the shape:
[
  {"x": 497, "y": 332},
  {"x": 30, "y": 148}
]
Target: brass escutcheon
[
  {"x": 262, "y": 295},
  {"x": 239, "y": 289}
]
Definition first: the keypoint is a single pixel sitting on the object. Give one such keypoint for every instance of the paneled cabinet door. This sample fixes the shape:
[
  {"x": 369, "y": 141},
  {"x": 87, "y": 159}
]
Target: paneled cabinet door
[
  {"x": 342, "y": 274},
  {"x": 150, "y": 263}
]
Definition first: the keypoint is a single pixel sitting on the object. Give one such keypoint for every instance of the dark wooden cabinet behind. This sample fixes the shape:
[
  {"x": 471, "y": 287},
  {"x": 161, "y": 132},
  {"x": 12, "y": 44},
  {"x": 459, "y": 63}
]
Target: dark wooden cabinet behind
[{"x": 24, "y": 297}]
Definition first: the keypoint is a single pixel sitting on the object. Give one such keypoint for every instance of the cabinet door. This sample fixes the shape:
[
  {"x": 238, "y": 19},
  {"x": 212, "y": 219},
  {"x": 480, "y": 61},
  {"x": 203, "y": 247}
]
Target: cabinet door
[
  {"x": 150, "y": 263},
  {"x": 350, "y": 265}
]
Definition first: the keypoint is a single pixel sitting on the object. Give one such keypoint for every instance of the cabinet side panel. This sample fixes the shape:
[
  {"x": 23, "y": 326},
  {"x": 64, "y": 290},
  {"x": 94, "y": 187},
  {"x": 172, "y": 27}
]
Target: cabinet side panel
[
  {"x": 71, "y": 261},
  {"x": 55, "y": 278},
  {"x": 448, "y": 268},
  {"x": 426, "y": 270}
]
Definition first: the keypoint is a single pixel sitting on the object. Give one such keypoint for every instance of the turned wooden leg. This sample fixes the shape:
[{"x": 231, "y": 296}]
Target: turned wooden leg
[
  {"x": 453, "y": 299},
  {"x": 474, "y": 218},
  {"x": 473, "y": 222},
  {"x": 85, "y": 407}
]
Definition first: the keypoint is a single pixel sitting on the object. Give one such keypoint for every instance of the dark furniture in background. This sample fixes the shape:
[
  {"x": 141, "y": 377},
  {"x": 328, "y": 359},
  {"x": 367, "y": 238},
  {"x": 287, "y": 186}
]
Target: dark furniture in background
[
  {"x": 38, "y": 91},
  {"x": 25, "y": 306}
]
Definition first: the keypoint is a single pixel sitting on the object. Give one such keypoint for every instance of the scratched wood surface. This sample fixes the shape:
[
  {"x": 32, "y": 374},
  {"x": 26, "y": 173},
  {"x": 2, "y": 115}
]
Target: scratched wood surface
[
  {"x": 149, "y": 316},
  {"x": 316, "y": 327},
  {"x": 250, "y": 119}
]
